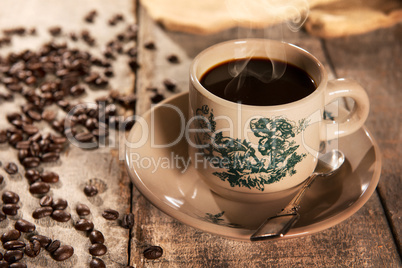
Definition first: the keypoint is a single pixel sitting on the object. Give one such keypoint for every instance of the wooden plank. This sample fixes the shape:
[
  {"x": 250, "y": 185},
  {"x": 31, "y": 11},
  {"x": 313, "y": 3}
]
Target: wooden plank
[
  {"x": 76, "y": 167},
  {"x": 364, "y": 240},
  {"x": 374, "y": 61}
]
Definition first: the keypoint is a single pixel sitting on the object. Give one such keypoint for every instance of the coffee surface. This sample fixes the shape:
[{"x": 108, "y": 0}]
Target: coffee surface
[{"x": 257, "y": 83}]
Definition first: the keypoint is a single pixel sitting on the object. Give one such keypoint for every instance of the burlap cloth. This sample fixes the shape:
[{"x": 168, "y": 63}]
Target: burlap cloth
[{"x": 323, "y": 18}]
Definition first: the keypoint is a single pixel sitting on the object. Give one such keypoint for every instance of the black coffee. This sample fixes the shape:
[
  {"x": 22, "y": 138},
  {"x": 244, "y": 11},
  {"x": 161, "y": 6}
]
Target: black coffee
[{"x": 256, "y": 84}]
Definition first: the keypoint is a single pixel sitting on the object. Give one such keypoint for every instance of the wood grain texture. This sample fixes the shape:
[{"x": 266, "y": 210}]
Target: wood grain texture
[
  {"x": 363, "y": 240},
  {"x": 374, "y": 60}
]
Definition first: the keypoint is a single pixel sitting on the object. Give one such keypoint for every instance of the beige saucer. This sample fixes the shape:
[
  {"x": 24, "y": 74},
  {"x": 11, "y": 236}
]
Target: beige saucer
[{"x": 182, "y": 194}]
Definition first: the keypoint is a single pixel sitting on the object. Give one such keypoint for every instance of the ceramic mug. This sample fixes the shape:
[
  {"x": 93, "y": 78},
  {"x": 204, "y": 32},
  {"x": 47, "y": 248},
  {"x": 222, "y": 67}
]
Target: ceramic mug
[{"x": 247, "y": 152}]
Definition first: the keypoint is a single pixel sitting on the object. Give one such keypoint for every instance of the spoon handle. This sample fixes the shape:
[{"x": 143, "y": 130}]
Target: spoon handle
[{"x": 281, "y": 223}]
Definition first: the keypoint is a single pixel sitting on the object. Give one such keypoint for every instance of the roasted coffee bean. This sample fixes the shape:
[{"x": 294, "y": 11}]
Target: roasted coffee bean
[
  {"x": 55, "y": 244},
  {"x": 170, "y": 84},
  {"x": 3, "y": 264},
  {"x": 110, "y": 214},
  {"x": 149, "y": 45},
  {"x": 31, "y": 162},
  {"x": 30, "y": 129},
  {"x": 42, "y": 212},
  {"x": 56, "y": 30},
  {"x": 23, "y": 145},
  {"x": 39, "y": 187},
  {"x": 59, "y": 204},
  {"x": 84, "y": 225},
  {"x": 32, "y": 249},
  {"x": 97, "y": 249},
  {"x": 153, "y": 252},
  {"x": 58, "y": 140},
  {"x": 61, "y": 215},
  {"x": 34, "y": 115},
  {"x": 34, "y": 149},
  {"x": 49, "y": 176},
  {"x": 17, "y": 265},
  {"x": 77, "y": 90},
  {"x": 46, "y": 201},
  {"x": 173, "y": 58},
  {"x": 11, "y": 256},
  {"x": 128, "y": 221},
  {"x": 43, "y": 240},
  {"x": 15, "y": 138},
  {"x": 63, "y": 253},
  {"x": 24, "y": 226},
  {"x": 90, "y": 16},
  {"x": 3, "y": 136},
  {"x": 11, "y": 209},
  {"x": 13, "y": 116},
  {"x": 32, "y": 175},
  {"x": 9, "y": 197},
  {"x": 133, "y": 63},
  {"x": 11, "y": 168},
  {"x": 14, "y": 244},
  {"x": 90, "y": 190},
  {"x": 84, "y": 137},
  {"x": 82, "y": 209},
  {"x": 10, "y": 235},
  {"x": 50, "y": 157},
  {"x": 97, "y": 263},
  {"x": 48, "y": 115},
  {"x": 96, "y": 237},
  {"x": 3, "y": 216}
]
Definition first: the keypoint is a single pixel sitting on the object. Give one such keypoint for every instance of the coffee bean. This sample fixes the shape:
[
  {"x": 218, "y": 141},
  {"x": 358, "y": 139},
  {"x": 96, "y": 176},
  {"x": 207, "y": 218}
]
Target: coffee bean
[
  {"x": 15, "y": 138},
  {"x": 32, "y": 175},
  {"x": 96, "y": 237},
  {"x": 84, "y": 225},
  {"x": 153, "y": 252},
  {"x": 32, "y": 249},
  {"x": 39, "y": 187},
  {"x": 50, "y": 157},
  {"x": 31, "y": 162},
  {"x": 149, "y": 45},
  {"x": 3, "y": 216},
  {"x": 30, "y": 129},
  {"x": 84, "y": 137},
  {"x": 63, "y": 253},
  {"x": 97, "y": 263},
  {"x": 13, "y": 116},
  {"x": 173, "y": 58},
  {"x": 56, "y": 30},
  {"x": 3, "y": 136},
  {"x": 128, "y": 221},
  {"x": 97, "y": 249},
  {"x": 3, "y": 264},
  {"x": 110, "y": 214},
  {"x": 58, "y": 140},
  {"x": 55, "y": 244},
  {"x": 23, "y": 145},
  {"x": 42, "y": 212},
  {"x": 170, "y": 84},
  {"x": 48, "y": 115},
  {"x": 34, "y": 149},
  {"x": 17, "y": 265},
  {"x": 10, "y": 235},
  {"x": 11, "y": 168},
  {"x": 9, "y": 197},
  {"x": 49, "y": 176},
  {"x": 13, "y": 255},
  {"x": 82, "y": 210},
  {"x": 43, "y": 240},
  {"x": 34, "y": 115},
  {"x": 90, "y": 190},
  {"x": 59, "y": 204},
  {"x": 61, "y": 215},
  {"x": 14, "y": 244},
  {"x": 10, "y": 209},
  {"x": 24, "y": 226},
  {"x": 90, "y": 16}
]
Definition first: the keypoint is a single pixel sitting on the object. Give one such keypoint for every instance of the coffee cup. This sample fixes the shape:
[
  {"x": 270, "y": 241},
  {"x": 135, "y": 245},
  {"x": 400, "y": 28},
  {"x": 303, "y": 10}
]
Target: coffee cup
[{"x": 248, "y": 144}]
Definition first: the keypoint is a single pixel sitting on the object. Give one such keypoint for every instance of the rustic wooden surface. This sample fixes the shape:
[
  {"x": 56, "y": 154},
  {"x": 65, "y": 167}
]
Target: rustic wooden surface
[{"x": 370, "y": 238}]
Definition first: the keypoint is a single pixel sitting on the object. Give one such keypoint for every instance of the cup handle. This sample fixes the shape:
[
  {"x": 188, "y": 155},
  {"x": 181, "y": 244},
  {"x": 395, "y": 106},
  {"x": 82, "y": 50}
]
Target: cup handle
[{"x": 339, "y": 88}]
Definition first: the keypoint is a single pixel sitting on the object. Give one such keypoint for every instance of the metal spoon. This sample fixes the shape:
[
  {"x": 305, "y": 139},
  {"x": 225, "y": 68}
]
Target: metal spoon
[{"x": 280, "y": 224}]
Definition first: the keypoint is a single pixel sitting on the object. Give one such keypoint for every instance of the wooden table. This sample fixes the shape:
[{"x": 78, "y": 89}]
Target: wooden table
[{"x": 370, "y": 238}]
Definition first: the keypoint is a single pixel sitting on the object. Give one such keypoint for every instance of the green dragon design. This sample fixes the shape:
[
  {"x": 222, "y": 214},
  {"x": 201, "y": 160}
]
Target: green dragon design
[{"x": 242, "y": 164}]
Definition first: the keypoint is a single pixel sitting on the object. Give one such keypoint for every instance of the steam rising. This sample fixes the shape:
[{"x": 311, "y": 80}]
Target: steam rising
[{"x": 293, "y": 12}]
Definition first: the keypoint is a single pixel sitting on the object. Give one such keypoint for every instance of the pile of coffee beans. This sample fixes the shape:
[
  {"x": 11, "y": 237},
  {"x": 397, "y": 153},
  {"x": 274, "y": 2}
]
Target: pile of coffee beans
[{"x": 50, "y": 79}]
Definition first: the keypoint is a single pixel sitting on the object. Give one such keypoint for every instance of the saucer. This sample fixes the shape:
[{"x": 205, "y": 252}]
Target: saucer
[{"x": 158, "y": 163}]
